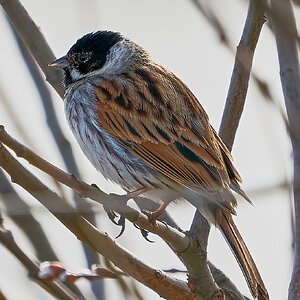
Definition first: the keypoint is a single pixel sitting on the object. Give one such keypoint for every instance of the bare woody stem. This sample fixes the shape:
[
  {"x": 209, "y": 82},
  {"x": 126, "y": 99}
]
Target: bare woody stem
[
  {"x": 231, "y": 116},
  {"x": 54, "y": 288},
  {"x": 2, "y": 297},
  {"x": 286, "y": 35},
  {"x": 34, "y": 40},
  {"x": 241, "y": 72}
]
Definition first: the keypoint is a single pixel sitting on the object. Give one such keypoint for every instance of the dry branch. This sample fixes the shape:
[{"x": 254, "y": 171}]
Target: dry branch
[
  {"x": 241, "y": 72},
  {"x": 34, "y": 40},
  {"x": 56, "y": 289},
  {"x": 233, "y": 108},
  {"x": 2, "y": 297},
  {"x": 283, "y": 21}
]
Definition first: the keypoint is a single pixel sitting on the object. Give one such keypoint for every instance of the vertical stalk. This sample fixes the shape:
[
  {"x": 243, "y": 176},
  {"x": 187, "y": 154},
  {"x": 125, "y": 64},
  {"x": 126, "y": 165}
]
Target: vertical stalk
[{"x": 285, "y": 30}]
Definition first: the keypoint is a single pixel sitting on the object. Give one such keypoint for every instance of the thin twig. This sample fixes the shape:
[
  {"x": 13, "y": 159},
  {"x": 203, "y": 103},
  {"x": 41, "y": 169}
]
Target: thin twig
[
  {"x": 285, "y": 29},
  {"x": 212, "y": 19},
  {"x": 54, "y": 288},
  {"x": 20, "y": 213},
  {"x": 231, "y": 117},
  {"x": 241, "y": 72},
  {"x": 34, "y": 40},
  {"x": 2, "y": 297}
]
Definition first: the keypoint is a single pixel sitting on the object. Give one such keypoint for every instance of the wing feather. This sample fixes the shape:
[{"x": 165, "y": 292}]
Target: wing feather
[{"x": 157, "y": 115}]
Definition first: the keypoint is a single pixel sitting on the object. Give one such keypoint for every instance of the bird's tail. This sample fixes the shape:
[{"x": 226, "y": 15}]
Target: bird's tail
[{"x": 243, "y": 256}]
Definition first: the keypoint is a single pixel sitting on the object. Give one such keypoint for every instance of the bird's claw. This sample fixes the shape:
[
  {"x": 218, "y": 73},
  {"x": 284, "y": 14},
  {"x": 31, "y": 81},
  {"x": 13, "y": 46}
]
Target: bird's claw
[
  {"x": 144, "y": 233},
  {"x": 112, "y": 215},
  {"x": 121, "y": 222}
]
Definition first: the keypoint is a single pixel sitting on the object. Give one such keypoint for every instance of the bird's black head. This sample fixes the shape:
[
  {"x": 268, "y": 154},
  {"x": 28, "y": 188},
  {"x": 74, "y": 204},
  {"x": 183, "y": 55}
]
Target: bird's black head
[{"x": 88, "y": 54}]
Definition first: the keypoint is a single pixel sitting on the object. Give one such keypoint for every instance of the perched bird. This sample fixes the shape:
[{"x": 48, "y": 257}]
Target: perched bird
[{"x": 142, "y": 128}]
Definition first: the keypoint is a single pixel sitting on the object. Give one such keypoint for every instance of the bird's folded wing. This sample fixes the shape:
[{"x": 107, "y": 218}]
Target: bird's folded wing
[{"x": 155, "y": 116}]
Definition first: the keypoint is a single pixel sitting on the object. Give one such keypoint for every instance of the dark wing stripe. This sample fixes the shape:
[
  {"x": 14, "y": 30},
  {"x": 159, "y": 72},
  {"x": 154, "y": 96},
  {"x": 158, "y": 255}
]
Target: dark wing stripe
[
  {"x": 187, "y": 153},
  {"x": 154, "y": 161},
  {"x": 104, "y": 92},
  {"x": 191, "y": 156},
  {"x": 155, "y": 133},
  {"x": 131, "y": 129},
  {"x": 157, "y": 160},
  {"x": 123, "y": 102},
  {"x": 149, "y": 132},
  {"x": 115, "y": 127},
  {"x": 152, "y": 86},
  {"x": 162, "y": 133}
]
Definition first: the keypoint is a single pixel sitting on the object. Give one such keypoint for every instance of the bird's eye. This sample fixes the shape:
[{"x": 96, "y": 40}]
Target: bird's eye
[{"x": 83, "y": 57}]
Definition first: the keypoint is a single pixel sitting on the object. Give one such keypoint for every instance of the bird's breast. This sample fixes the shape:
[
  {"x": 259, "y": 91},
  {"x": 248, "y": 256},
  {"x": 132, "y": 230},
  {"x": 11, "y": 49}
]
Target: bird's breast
[{"x": 106, "y": 154}]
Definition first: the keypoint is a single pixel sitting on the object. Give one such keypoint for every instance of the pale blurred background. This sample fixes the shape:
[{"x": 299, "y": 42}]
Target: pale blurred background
[{"x": 178, "y": 37}]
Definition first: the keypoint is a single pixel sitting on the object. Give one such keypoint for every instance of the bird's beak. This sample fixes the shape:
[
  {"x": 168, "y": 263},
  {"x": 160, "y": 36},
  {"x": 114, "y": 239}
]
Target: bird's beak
[{"x": 60, "y": 63}]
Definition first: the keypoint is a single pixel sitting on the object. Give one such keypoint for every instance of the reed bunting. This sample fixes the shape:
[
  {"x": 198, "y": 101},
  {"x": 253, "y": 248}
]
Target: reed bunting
[{"x": 142, "y": 128}]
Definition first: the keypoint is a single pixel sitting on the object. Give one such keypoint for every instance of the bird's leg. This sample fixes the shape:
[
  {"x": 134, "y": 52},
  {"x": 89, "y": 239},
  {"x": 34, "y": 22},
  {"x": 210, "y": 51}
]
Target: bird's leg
[
  {"x": 126, "y": 197},
  {"x": 153, "y": 216},
  {"x": 136, "y": 193}
]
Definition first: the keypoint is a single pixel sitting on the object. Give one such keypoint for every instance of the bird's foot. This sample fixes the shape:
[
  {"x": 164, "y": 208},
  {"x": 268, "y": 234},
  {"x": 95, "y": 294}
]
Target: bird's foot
[
  {"x": 144, "y": 233},
  {"x": 120, "y": 222},
  {"x": 152, "y": 216},
  {"x": 155, "y": 215},
  {"x": 136, "y": 193}
]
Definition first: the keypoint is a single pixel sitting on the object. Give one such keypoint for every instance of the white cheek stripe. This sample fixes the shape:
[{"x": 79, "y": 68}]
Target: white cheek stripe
[{"x": 117, "y": 58}]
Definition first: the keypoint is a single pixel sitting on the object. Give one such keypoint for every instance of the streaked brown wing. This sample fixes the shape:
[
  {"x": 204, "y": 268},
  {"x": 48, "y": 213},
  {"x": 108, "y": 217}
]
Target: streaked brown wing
[{"x": 158, "y": 118}]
